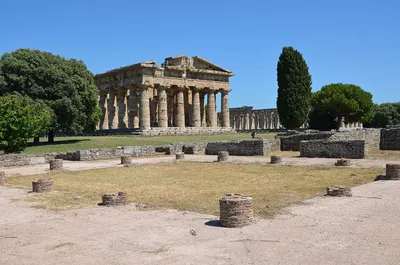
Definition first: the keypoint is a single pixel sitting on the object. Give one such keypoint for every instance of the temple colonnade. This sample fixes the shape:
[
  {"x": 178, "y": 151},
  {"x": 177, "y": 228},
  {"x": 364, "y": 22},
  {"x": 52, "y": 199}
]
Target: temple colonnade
[{"x": 144, "y": 107}]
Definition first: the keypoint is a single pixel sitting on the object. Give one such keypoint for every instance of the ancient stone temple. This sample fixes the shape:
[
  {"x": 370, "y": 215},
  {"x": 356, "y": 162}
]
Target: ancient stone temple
[
  {"x": 146, "y": 96},
  {"x": 247, "y": 118}
]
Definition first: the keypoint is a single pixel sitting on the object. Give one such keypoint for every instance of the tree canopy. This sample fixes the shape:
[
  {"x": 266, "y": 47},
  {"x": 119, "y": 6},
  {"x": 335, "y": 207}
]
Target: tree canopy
[
  {"x": 294, "y": 88},
  {"x": 21, "y": 118},
  {"x": 66, "y": 86},
  {"x": 385, "y": 114},
  {"x": 343, "y": 101}
]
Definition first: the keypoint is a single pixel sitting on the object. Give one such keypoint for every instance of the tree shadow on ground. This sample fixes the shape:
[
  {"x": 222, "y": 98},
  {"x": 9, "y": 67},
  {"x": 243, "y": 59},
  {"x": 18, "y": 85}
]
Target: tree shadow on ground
[{"x": 72, "y": 141}]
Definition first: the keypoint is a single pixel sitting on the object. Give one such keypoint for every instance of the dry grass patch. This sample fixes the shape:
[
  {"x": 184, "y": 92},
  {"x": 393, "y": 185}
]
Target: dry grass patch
[
  {"x": 196, "y": 186},
  {"x": 384, "y": 154}
]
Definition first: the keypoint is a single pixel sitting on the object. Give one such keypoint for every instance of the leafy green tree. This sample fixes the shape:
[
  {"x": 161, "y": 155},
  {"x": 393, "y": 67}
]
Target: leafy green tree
[
  {"x": 294, "y": 88},
  {"x": 321, "y": 122},
  {"x": 343, "y": 101},
  {"x": 66, "y": 86},
  {"x": 385, "y": 114},
  {"x": 21, "y": 118}
]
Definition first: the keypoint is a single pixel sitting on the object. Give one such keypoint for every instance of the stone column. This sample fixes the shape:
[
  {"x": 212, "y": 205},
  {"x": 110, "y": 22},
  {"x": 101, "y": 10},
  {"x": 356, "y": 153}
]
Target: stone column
[
  {"x": 170, "y": 110},
  {"x": 225, "y": 109},
  {"x": 211, "y": 109},
  {"x": 196, "y": 109},
  {"x": 104, "y": 109},
  {"x": 122, "y": 119},
  {"x": 112, "y": 114},
  {"x": 162, "y": 108},
  {"x": 342, "y": 125},
  {"x": 144, "y": 114},
  {"x": 202, "y": 110},
  {"x": 180, "y": 109},
  {"x": 133, "y": 113},
  {"x": 232, "y": 121}
]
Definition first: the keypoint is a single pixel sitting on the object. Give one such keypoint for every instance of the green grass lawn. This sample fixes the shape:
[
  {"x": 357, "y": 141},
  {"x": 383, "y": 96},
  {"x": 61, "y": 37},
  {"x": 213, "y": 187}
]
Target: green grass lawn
[{"x": 65, "y": 144}]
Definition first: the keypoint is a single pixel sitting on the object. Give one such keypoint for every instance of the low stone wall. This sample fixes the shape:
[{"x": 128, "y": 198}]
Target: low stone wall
[
  {"x": 390, "y": 139},
  {"x": 292, "y": 142},
  {"x": 111, "y": 153},
  {"x": 371, "y": 137},
  {"x": 258, "y": 147},
  {"x": 24, "y": 160},
  {"x": 355, "y": 149}
]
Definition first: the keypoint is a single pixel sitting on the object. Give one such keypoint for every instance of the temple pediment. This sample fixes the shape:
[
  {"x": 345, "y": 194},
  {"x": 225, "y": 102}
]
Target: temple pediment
[
  {"x": 200, "y": 63},
  {"x": 194, "y": 64}
]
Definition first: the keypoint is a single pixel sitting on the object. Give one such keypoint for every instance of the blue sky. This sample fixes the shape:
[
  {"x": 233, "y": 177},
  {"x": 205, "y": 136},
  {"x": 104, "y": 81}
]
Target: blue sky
[{"x": 352, "y": 41}]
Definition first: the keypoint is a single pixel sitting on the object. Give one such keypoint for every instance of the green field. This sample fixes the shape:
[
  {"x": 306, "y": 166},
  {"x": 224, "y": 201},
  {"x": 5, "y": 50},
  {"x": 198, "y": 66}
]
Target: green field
[{"x": 65, "y": 144}]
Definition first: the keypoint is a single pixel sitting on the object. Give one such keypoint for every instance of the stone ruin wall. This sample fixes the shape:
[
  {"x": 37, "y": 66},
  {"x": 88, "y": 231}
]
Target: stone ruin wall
[
  {"x": 370, "y": 136},
  {"x": 353, "y": 149},
  {"x": 246, "y": 147},
  {"x": 390, "y": 139},
  {"x": 258, "y": 147},
  {"x": 292, "y": 142}
]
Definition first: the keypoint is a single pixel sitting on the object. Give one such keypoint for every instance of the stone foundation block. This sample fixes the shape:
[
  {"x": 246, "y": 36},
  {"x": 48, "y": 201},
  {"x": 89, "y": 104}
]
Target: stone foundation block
[
  {"x": 343, "y": 163},
  {"x": 236, "y": 210},
  {"x": 393, "y": 171},
  {"x": 56, "y": 164},
  {"x": 276, "y": 159},
  {"x": 180, "y": 156},
  {"x": 42, "y": 185},
  {"x": 223, "y": 156},
  {"x": 340, "y": 191},
  {"x": 125, "y": 160},
  {"x": 114, "y": 199}
]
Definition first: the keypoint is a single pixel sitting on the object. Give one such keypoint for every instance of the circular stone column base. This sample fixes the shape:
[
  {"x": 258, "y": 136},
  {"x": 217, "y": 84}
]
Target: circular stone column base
[
  {"x": 223, "y": 156},
  {"x": 340, "y": 191},
  {"x": 2, "y": 178},
  {"x": 56, "y": 164},
  {"x": 113, "y": 199},
  {"x": 42, "y": 185},
  {"x": 125, "y": 160},
  {"x": 180, "y": 156},
  {"x": 276, "y": 159},
  {"x": 343, "y": 163},
  {"x": 236, "y": 210},
  {"x": 393, "y": 171}
]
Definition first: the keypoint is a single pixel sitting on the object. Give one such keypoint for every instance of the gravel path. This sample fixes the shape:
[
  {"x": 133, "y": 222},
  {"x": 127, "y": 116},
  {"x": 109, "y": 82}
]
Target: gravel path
[{"x": 362, "y": 229}]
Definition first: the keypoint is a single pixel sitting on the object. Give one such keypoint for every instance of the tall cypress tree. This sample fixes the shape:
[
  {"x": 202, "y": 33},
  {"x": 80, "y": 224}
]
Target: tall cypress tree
[{"x": 294, "y": 88}]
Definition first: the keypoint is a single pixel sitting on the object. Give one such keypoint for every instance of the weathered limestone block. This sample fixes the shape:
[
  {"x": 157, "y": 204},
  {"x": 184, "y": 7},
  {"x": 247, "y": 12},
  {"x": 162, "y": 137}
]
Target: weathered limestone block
[
  {"x": 114, "y": 199},
  {"x": 223, "y": 156},
  {"x": 343, "y": 163},
  {"x": 42, "y": 185},
  {"x": 56, "y": 164},
  {"x": 276, "y": 159},
  {"x": 2, "y": 178},
  {"x": 353, "y": 149},
  {"x": 236, "y": 210},
  {"x": 390, "y": 139},
  {"x": 180, "y": 156},
  {"x": 258, "y": 147},
  {"x": 393, "y": 171},
  {"x": 126, "y": 160},
  {"x": 339, "y": 191}
]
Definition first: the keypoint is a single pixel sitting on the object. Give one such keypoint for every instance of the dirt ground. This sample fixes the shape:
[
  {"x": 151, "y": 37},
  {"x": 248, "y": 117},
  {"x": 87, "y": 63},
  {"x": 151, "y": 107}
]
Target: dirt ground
[{"x": 362, "y": 229}]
